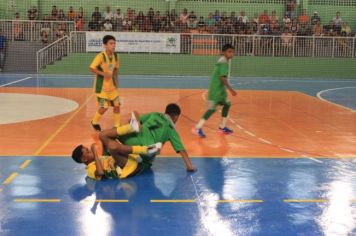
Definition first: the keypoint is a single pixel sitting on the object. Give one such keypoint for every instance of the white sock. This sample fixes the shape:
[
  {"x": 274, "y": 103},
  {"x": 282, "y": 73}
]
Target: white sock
[
  {"x": 200, "y": 124},
  {"x": 223, "y": 122}
]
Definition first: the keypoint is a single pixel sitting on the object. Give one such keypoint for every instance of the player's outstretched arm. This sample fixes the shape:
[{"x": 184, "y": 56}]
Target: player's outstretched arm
[
  {"x": 187, "y": 162},
  {"x": 227, "y": 85},
  {"x": 99, "y": 168}
]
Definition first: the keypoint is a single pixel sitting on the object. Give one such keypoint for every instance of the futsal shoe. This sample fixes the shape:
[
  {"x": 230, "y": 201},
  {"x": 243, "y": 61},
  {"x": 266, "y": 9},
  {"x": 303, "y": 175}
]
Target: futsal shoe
[
  {"x": 199, "y": 132},
  {"x": 225, "y": 130},
  {"x": 96, "y": 126},
  {"x": 135, "y": 122},
  {"x": 154, "y": 149}
]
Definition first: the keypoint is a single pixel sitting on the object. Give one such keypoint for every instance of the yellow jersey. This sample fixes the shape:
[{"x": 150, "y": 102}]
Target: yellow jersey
[{"x": 105, "y": 63}]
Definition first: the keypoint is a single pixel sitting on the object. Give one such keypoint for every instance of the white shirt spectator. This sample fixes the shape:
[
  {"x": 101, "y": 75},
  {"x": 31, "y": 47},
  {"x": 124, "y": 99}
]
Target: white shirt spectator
[
  {"x": 337, "y": 21},
  {"x": 244, "y": 19},
  {"x": 108, "y": 15},
  {"x": 108, "y": 26},
  {"x": 118, "y": 16}
]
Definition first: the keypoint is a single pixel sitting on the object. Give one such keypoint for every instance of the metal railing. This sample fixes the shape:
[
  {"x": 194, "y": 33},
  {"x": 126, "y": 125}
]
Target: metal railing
[
  {"x": 53, "y": 52},
  {"x": 254, "y": 45},
  {"x": 27, "y": 30}
]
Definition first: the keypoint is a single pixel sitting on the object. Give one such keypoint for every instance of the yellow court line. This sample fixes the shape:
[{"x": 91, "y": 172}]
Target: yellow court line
[
  {"x": 107, "y": 200},
  {"x": 10, "y": 178},
  {"x": 240, "y": 201},
  {"x": 50, "y": 138},
  {"x": 25, "y": 164},
  {"x": 173, "y": 201},
  {"x": 22, "y": 200},
  {"x": 304, "y": 200}
]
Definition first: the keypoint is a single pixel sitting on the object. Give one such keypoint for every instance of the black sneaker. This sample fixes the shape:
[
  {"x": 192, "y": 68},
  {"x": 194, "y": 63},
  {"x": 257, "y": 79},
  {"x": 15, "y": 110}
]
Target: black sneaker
[{"x": 96, "y": 126}]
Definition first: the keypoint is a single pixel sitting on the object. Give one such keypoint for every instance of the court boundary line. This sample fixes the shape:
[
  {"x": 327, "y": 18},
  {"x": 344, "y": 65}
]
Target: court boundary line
[
  {"x": 333, "y": 103},
  {"x": 195, "y": 156},
  {"x": 16, "y": 81}
]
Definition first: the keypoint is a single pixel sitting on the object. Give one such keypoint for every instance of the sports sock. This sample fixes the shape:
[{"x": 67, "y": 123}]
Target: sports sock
[
  {"x": 96, "y": 118},
  {"x": 139, "y": 149},
  {"x": 116, "y": 120},
  {"x": 123, "y": 130}
]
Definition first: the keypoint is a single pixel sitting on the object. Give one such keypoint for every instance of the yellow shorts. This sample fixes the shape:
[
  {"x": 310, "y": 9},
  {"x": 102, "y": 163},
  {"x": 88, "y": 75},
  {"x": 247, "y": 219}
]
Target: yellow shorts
[{"x": 106, "y": 99}]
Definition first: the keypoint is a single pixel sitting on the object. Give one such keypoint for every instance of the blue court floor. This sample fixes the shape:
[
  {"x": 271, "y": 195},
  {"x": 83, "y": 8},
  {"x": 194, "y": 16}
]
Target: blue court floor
[{"x": 252, "y": 196}]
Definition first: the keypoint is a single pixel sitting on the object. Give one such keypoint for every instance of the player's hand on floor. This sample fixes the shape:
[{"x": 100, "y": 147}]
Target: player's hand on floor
[{"x": 192, "y": 169}]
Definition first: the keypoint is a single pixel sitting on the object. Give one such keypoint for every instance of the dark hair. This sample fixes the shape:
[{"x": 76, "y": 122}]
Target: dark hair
[
  {"x": 227, "y": 47},
  {"x": 77, "y": 154},
  {"x": 107, "y": 38},
  {"x": 173, "y": 109}
]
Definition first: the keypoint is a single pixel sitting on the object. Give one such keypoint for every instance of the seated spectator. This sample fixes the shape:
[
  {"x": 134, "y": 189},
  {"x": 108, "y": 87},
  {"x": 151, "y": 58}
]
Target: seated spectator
[
  {"x": 54, "y": 13},
  {"x": 233, "y": 18},
  {"x": 118, "y": 19},
  {"x": 330, "y": 29},
  {"x": 315, "y": 18},
  {"x": 217, "y": 16},
  {"x": 129, "y": 14},
  {"x": 318, "y": 29},
  {"x": 287, "y": 22},
  {"x": 183, "y": 18},
  {"x": 337, "y": 19},
  {"x": 201, "y": 24},
  {"x": 157, "y": 22},
  {"x": 345, "y": 30},
  {"x": 81, "y": 15},
  {"x": 192, "y": 21},
  {"x": 96, "y": 15},
  {"x": 118, "y": 14},
  {"x": 166, "y": 24},
  {"x": 304, "y": 18},
  {"x": 44, "y": 33},
  {"x": 240, "y": 27},
  {"x": 71, "y": 15},
  {"x": 93, "y": 24},
  {"x": 79, "y": 25},
  {"x": 294, "y": 27},
  {"x": 60, "y": 31},
  {"x": 174, "y": 19},
  {"x": 264, "y": 18},
  {"x": 32, "y": 14},
  {"x": 127, "y": 24},
  {"x": 287, "y": 38},
  {"x": 147, "y": 24},
  {"x": 244, "y": 18},
  {"x": 274, "y": 21},
  {"x": 150, "y": 15},
  {"x": 108, "y": 16},
  {"x": 107, "y": 25},
  {"x": 61, "y": 16},
  {"x": 290, "y": 8}
]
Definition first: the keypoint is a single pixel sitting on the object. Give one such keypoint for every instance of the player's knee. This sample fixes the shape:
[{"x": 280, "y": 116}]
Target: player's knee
[
  {"x": 116, "y": 109},
  {"x": 102, "y": 110}
]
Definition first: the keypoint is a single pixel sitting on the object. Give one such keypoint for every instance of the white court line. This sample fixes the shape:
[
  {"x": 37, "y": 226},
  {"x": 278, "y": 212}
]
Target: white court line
[
  {"x": 286, "y": 149},
  {"x": 314, "y": 159},
  {"x": 249, "y": 133},
  {"x": 16, "y": 81},
  {"x": 265, "y": 141},
  {"x": 327, "y": 90}
]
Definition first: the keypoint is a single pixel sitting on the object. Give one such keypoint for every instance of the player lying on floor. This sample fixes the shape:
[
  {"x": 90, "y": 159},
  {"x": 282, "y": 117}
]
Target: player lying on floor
[{"x": 131, "y": 149}]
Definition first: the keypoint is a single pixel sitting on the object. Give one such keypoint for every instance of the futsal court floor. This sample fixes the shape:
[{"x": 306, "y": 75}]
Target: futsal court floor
[{"x": 288, "y": 169}]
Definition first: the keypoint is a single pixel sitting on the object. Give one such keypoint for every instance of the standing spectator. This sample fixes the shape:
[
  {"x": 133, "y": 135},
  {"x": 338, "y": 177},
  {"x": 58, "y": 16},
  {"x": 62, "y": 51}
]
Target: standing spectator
[
  {"x": 315, "y": 18},
  {"x": 79, "y": 25},
  {"x": 147, "y": 24},
  {"x": 244, "y": 18},
  {"x": 107, "y": 25},
  {"x": 71, "y": 15},
  {"x": 264, "y": 18},
  {"x": 45, "y": 30},
  {"x": 184, "y": 17},
  {"x": 287, "y": 22},
  {"x": 96, "y": 16},
  {"x": 157, "y": 21},
  {"x": 337, "y": 19},
  {"x": 81, "y": 15},
  {"x": 287, "y": 38},
  {"x": 318, "y": 29},
  {"x": 32, "y": 13},
  {"x": 295, "y": 27},
  {"x": 54, "y": 13},
  {"x": 166, "y": 22},
  {"x": 173, "y": 20},
  {"x": 118, "y": 19},
  {"x": 150, "y": 15},
  {"x": 60, "y": 32},
  {"x": 127, "y": 24},
  {"x": 304, "y": 18},
  {"x": 234, "y": 19},
  {"x": 17, "y": 27},
  {"x": 290, "y": 7},
  {"x": 210, "y": 23},
  {"x": 192, "y": 21},
  {"x": 61, "y": 16},
  {"x": 217, "y": 16},
  {"x": 201, "y": 25},
  {"x": 2, "y": 50},
  {"x": 140, "y": 20},
  {"x": 274, "y": 25},
  {"x": 108, "y": 16}
]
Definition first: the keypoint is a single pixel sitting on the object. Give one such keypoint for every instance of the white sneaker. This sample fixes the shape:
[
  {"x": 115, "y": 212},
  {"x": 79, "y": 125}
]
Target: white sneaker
[
  {"x": 135, "y": 122},
  {"x": 154, "y": 149}
]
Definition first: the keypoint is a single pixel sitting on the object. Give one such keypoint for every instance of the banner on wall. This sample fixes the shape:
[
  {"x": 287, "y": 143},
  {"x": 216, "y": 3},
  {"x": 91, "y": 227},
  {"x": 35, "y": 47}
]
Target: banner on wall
[{"x": 135, "y": 42}]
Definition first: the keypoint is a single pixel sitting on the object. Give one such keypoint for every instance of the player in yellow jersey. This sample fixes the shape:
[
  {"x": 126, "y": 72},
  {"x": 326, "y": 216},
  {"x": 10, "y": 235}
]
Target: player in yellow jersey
[{"x": 105, "y": 66}]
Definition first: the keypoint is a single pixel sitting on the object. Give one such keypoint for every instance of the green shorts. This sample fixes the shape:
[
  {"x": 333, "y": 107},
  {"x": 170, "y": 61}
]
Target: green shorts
[{"x": 212, "y": 104}]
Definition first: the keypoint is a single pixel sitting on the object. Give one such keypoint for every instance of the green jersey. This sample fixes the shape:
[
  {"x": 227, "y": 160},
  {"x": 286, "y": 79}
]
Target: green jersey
[
  {"x": 156, "y": 127},
  {"x": 217, "y": 90}
]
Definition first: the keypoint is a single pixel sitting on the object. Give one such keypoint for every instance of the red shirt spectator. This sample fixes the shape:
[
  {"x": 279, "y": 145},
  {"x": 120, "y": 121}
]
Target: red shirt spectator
[{"x": 264, "y": 18}]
